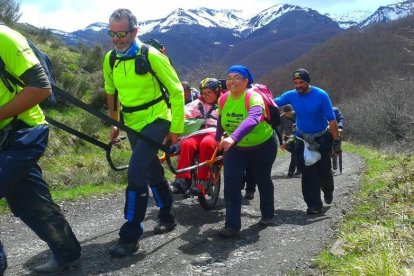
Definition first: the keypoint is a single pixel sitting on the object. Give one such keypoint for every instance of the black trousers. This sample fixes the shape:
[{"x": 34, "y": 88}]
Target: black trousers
[
  {"x": 28, "y": 194},
  {"x": 318, "y": 176}
]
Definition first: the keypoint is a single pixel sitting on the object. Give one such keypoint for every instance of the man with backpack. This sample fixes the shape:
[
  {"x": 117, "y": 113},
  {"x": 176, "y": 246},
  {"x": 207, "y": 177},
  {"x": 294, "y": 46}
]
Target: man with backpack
[
  {"x": 314, "y": 113},
  {"x": 141, "y": 76},
  {"x": 23, "y": 139},
  {"x": 287, "y": 125}
]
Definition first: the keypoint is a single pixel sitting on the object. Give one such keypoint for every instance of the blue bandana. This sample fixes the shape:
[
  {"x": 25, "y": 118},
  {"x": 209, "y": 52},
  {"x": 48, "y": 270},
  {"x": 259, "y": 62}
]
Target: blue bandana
[
  {"x": 131, "y": 52},
  {"x": 243, "y": 71}
]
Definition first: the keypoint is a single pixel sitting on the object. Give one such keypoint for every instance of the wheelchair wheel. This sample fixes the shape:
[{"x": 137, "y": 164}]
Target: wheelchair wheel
[{"x": 209, "y": 200}]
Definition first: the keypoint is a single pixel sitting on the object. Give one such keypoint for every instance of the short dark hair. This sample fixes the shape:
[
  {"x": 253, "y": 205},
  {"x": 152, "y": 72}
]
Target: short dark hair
[
  {"x": 287, "y": 108},
  {"x": 186, "y": 85},
  {"x": 120, "y": 14}
]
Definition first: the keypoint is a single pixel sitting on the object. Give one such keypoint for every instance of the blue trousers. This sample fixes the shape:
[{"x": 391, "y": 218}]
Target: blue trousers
[
  {"x": 260, "y": 160},
  {"x": 146, "y": 170},
  {"x": 250, "y": 181},
  {"x": 28, "y": 194}
]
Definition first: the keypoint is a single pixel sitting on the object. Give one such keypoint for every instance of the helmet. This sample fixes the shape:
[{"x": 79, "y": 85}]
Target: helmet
[{"x": 210, "y": 83}]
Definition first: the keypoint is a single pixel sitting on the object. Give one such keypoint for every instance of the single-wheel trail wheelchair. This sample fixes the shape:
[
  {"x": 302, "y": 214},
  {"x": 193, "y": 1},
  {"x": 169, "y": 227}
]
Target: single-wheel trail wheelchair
[{"x": 210, "y": 191}]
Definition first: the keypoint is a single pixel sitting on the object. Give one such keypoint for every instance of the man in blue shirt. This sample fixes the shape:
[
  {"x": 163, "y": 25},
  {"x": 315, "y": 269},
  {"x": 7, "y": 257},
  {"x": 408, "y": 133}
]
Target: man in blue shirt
[{"x": 314, "y": 112}]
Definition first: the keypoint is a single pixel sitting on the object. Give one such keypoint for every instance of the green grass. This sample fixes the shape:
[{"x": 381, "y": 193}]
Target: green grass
[
  {"x": 378, "y": 234},
  {"x": 75, "y": 169},
  {"x": 87, "y": 190}
]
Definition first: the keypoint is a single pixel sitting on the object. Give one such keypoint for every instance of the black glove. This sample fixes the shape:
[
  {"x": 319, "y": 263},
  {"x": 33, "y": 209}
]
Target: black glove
[{"x": 336, "y": 146}]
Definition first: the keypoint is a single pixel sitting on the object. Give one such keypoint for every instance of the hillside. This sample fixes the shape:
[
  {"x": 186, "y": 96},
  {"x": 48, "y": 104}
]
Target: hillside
[
  {"x": 347, "y": 64},
  {"x": 282, "y": 41},
  {"x": 368, "y": 74}
]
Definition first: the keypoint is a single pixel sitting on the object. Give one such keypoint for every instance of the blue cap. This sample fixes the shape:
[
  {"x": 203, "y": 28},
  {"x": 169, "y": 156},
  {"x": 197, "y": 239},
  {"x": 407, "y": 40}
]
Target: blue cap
[{"x": 243, "y": 71}]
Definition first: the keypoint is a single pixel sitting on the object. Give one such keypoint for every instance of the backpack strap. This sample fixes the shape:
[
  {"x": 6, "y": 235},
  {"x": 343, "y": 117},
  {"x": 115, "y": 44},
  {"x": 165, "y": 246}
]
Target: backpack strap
[
  {"x": 247, "y": 99},
  {"x": 7, "y": 78},
  {"x": 223, "y": 99},
  {"x": 209, "y": 113},
  {"x": 201, "y": 109},
  {"x": 164, "y": 90},
  {"x": 112, "y": 59}
]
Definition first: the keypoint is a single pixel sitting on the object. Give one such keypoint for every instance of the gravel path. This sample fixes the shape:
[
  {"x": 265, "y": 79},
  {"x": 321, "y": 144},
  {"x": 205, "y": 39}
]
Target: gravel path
[{"x": 194, "y": 247}]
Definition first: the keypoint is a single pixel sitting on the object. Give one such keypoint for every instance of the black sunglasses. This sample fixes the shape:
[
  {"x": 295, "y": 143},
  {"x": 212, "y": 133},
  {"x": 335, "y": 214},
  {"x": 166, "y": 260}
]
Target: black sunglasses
[{"x": 120, "y": 34}]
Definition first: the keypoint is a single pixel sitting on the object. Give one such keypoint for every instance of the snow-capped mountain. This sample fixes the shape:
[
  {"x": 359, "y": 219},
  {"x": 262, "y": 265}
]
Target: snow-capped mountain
[
  {"x": 242, "y": 27},
  {"x": 267, "y": 16},
  {"x": 349, "y": 19},
  {"x": 389, "y": 13},
  {"x": 228, "y": 35}
]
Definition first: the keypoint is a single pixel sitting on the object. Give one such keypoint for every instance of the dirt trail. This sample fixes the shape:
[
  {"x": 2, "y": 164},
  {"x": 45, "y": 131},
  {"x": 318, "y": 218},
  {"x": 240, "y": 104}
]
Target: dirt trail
[{"x": 194, "y": 247}]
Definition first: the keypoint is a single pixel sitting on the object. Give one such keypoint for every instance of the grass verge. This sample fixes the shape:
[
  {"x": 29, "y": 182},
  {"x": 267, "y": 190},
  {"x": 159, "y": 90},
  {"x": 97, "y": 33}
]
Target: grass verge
[{"x": 377, "y": 235}]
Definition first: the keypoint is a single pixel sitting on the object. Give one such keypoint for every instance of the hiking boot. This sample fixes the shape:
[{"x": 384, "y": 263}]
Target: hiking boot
[
  {"x": 164, "y": 227},
  {"x": 228, "y": 232},
  {"x": 290, "y": 174},
  {"x": 123, "y": 248},
  {"x": 328, "y": 197},
  {"x": 53, "y": 268},
  {"x": 249, "y": 196},
  {"x": 179, "y": 185},
  {"x": 267, "y": 222},
  {"x": 313, "y": 211},
  {"x": 297, "y": 173}
]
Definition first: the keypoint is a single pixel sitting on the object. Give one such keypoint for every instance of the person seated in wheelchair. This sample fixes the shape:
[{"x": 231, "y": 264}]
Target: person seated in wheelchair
[{"x": 203, "y": 112}]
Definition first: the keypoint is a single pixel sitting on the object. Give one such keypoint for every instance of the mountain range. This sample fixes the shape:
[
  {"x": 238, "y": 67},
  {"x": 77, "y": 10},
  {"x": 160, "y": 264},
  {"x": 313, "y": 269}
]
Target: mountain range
[{"x": 270, "y": 39}]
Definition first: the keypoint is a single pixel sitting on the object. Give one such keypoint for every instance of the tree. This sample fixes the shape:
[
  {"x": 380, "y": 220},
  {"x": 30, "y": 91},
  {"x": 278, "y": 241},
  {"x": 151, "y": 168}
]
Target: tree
[
  {"x": 10, "y": 11},
  {"x": 211, "y": 67}
]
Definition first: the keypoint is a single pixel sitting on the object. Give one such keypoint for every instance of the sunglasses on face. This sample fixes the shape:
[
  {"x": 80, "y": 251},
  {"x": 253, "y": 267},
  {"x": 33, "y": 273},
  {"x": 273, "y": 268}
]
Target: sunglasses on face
[{"x": 120, "y": 34}]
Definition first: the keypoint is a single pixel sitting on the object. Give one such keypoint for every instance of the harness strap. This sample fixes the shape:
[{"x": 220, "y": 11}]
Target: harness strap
[{"x": 131, "y": 109}]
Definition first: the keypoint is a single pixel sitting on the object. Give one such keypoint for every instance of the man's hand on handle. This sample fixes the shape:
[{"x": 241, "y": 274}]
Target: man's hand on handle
[
  {"x": 114, "y": 135},
  {"x": 173, "y": 138}
]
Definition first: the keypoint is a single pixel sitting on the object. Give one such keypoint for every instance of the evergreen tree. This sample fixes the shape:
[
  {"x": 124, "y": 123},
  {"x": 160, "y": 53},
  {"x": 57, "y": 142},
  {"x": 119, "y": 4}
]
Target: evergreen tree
[{"x": 10, "y": 11}]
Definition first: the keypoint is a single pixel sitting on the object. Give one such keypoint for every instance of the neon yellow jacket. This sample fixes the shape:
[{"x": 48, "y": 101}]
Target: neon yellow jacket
[
  {"x": 135, "y": 90},
  {"x": 18, "y": 57}
]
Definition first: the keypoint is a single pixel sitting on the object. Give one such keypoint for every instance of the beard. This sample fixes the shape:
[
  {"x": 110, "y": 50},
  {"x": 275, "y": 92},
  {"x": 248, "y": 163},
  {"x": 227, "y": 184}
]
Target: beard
[{"x": 122, "y": 47}]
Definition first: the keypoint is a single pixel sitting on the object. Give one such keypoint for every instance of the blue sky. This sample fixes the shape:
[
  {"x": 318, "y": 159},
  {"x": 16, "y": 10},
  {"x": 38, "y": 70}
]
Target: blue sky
[{"x": 72, "y": 15}]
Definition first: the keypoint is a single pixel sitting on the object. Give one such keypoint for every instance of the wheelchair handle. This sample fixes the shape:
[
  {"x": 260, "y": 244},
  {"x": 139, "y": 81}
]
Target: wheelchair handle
[{"x": 109, "y": 158}]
